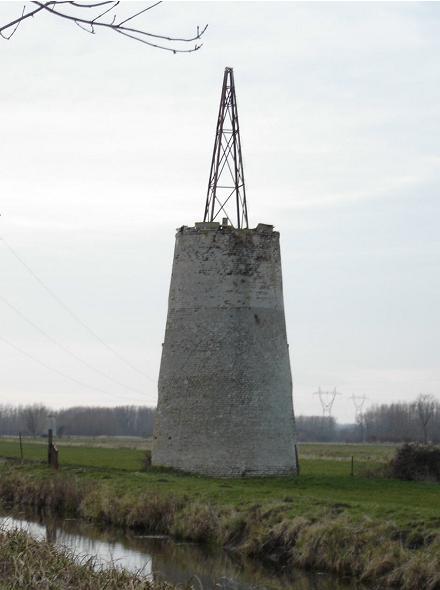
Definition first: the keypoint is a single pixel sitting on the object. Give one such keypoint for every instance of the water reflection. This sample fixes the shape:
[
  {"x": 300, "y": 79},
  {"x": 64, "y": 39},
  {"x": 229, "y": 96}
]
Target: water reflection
[{"x": 162, "y": 558}]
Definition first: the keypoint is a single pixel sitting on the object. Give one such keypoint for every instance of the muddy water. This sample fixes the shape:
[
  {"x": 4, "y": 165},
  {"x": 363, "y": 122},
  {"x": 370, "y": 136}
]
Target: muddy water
[{"x": 162, "y": 558}]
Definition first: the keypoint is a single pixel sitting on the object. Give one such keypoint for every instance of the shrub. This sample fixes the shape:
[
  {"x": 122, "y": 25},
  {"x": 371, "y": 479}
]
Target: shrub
[{"x": 416, "y": 462}]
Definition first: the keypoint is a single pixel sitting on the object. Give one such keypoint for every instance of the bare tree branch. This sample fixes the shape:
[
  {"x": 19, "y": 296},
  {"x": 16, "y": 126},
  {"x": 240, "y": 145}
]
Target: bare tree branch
[
  {"x": 17, "y": 21},
  {"x": 117, "y": 27},
  {"x": 89, "y": 24}
]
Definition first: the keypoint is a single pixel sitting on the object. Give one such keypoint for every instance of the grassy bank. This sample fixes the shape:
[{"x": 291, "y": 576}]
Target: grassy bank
[
  {"x": 37, "y": 565},
  {"x": 382, "y": 531}
]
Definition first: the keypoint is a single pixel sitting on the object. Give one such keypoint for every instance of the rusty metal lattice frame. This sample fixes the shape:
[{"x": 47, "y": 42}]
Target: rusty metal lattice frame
[{"x": 226, "y": 178}]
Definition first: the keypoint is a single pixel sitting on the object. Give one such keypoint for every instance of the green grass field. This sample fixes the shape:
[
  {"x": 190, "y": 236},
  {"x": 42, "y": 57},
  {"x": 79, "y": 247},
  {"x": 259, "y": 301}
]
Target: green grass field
[
  {"x": 128, "y": 454},
  {"x": 324, "y": 486},
  {"x": 373, "y": 453},
  {"x": 76, "y": 453}
]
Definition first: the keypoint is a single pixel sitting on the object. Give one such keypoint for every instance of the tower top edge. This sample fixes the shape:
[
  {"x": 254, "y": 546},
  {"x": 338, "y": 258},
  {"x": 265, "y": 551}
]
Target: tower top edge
[{"x": 214, "y": 226}]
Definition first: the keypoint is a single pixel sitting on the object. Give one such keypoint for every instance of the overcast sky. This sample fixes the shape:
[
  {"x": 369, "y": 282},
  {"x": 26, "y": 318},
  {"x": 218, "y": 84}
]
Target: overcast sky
[{"x": 105, "y": 150}]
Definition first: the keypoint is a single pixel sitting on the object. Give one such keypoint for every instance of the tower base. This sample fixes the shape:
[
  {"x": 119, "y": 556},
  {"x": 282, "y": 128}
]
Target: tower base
[{"x": 225, "y": 388}]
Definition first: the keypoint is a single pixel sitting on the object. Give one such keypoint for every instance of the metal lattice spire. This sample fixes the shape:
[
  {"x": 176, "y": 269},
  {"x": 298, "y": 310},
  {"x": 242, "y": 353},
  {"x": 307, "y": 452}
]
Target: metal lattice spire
[{"x": 226, "y": 197}]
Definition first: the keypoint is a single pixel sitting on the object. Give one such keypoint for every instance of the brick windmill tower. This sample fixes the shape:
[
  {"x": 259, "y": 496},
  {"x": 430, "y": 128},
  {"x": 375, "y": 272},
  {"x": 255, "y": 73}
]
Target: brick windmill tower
[{"x": 225, "y": 388}]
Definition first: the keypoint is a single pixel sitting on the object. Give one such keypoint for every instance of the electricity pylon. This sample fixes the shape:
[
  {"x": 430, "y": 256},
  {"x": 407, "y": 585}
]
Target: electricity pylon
[
  {"x": 327, "y": 399},
  {"x": 359, "y": 402}
]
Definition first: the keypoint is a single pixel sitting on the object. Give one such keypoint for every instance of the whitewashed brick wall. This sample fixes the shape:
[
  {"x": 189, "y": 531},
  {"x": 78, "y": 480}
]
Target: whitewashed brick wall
[{"x": 225, "y": 388}]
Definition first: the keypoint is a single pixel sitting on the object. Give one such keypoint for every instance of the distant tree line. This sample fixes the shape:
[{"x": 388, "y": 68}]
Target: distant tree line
[
  {"x": 417, "y": 421},
  {"x": 33, "y": 420},
  {"x": 397, "y": 422},
  {"x": 316, "y": 429},
  {"x": 403, "y": 422}
]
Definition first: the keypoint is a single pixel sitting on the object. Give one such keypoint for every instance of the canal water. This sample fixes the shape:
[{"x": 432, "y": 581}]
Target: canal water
[{"x": 160, "y": 557}]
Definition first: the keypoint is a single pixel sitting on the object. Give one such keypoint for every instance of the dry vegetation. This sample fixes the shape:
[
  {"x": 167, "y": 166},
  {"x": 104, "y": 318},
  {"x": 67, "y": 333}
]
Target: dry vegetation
[{"x": 36, "y": 565}]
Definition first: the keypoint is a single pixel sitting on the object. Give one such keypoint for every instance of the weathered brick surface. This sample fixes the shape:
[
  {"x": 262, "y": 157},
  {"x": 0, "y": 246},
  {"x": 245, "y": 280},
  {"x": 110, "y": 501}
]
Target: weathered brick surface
[{"x": 225, "y": 388}]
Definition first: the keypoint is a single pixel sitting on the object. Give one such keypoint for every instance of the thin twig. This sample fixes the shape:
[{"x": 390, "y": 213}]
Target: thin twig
[
  {"x": 79, "y": 5},
  {"x": 195, "y": 48},
  {"x": 92, "y": 31},
  {"x": 7, "y": 37},
  {"x": 105, "y": 11},
  {"x": 140, "y": 12}
]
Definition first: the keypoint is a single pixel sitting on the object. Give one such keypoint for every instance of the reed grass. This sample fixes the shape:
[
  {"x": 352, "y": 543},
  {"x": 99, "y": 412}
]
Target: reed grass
[{"x": 37, "y": 565}]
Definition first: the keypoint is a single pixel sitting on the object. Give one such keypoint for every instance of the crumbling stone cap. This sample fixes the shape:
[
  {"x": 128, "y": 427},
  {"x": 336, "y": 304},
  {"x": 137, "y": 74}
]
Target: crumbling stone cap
[
  {"x": 261, "y": 227},
  {"x": 264, "y": 228},
  {"x": 207, "y": 225}
]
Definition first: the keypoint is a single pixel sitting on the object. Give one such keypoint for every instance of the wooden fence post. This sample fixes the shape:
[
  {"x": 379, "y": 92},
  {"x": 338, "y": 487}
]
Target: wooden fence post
[
  {"x": 21, "y": 448},
  {"x": 297, "y": 459},
  {"x": 49, "y": 446}
]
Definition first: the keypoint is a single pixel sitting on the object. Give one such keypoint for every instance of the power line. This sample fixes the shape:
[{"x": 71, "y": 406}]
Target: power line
[
  {"x": 65, "y": 348},
  {"x": 71, "y": 312},
  {"x": 60, "y": 373}
]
